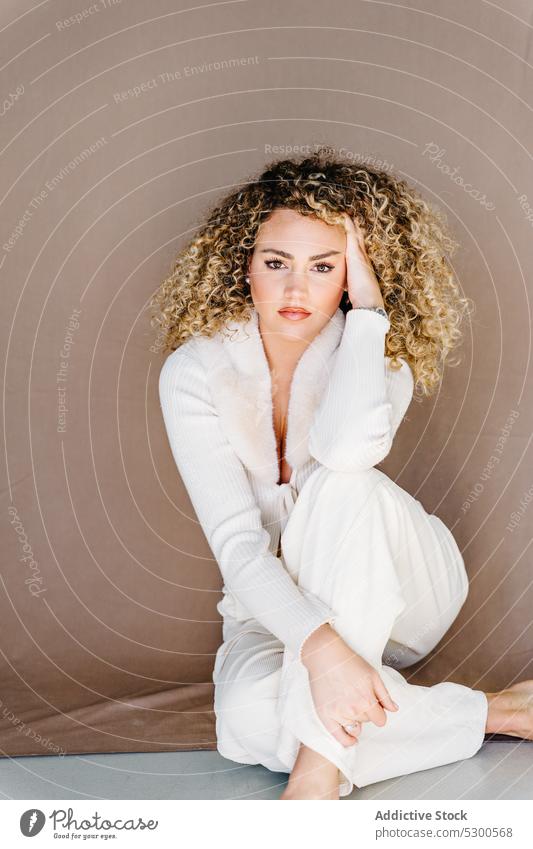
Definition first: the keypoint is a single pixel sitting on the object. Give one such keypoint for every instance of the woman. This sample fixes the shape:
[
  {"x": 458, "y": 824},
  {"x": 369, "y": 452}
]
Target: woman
[{"x": 300, "y": 318}]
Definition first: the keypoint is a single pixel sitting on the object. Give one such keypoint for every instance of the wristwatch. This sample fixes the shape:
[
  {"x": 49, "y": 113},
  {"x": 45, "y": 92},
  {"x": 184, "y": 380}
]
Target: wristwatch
[{"x": 380, "y": 310}]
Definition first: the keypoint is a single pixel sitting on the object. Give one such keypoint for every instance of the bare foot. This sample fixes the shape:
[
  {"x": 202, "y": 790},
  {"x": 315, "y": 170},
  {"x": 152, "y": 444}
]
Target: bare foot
[
  {"x": 511, "y": 711},
  {"x": 312, "y": 777},
  {"x": 310, "y": 791}
]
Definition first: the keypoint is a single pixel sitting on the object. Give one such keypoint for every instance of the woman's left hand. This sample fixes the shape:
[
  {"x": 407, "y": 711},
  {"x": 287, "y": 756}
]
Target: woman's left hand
[{"x": 363, "y": 286}]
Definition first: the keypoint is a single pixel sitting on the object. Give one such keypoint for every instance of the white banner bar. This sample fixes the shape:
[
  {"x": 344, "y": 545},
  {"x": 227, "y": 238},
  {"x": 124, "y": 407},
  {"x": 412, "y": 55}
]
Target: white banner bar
[{"x": 357, "y": 824}]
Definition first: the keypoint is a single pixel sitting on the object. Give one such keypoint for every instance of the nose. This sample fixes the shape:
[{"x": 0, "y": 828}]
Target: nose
[{"x": 295, "y": 280}]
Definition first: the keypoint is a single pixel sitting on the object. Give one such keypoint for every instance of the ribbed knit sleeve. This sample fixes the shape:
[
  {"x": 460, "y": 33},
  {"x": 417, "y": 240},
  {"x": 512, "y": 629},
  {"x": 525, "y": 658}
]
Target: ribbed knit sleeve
[
  {"x": 364, "y": 401},
  {"x": 227, "y": 510}
]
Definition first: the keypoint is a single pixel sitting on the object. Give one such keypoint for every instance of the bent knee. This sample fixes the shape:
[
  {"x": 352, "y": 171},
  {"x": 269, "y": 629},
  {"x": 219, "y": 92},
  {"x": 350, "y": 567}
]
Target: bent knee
[
  {"x": 247, "y": 724},
  {"x": 458, "y": 589},
  {"x": 243, "y": 704},
  {"x": 465, "y": 585}
]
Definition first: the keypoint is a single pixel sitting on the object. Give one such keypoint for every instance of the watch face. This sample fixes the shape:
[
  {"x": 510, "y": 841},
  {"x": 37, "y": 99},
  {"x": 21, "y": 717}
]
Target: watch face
[{"x": 379, "y": 310}]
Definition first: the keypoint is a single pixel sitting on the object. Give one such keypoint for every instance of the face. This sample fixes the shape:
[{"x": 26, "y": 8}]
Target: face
[{"x": 297, "y": 261}]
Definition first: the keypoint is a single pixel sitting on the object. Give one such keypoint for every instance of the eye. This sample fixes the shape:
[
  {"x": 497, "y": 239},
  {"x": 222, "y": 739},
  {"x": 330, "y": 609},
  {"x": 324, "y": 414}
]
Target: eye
[{"x": 324, "y": 267}]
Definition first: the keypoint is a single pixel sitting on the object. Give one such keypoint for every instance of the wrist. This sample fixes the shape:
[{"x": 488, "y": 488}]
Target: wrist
[
  {"x": 314, "y": 644},
  {"x": 369, "y": 304},
  {"x": 355, "y": 311}
]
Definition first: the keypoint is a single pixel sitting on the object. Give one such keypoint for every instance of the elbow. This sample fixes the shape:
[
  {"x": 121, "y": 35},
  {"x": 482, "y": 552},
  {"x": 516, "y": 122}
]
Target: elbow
[
  {"x": 340, "y": 459},
  {"x": 350, "y": 449},
  {"x": 372, "y": 454}
]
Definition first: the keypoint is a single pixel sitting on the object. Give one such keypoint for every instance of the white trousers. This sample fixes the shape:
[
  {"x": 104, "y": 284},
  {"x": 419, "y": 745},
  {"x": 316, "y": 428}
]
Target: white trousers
[{"x": 396, "y": 580}]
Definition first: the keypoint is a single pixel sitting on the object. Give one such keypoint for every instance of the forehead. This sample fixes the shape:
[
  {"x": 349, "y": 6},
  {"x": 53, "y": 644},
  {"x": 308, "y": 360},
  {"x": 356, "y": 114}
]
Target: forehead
[{"x": 286, "y": 229}]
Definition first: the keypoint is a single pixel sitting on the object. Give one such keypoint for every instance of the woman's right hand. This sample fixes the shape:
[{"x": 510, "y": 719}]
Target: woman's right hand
[{"x": 344, "y": 686}]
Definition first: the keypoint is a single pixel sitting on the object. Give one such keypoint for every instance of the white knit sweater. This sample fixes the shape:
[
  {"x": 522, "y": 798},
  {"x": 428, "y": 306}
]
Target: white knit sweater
[{"x": 345, "y": 406}]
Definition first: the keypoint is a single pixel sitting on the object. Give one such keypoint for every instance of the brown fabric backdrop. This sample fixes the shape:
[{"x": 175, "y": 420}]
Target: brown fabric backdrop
[{"x": 119, "y": 127}]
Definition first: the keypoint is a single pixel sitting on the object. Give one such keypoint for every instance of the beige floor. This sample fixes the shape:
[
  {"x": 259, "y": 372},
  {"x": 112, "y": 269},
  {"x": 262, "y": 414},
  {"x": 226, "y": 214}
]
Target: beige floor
[{"x": 502, "y": 769}]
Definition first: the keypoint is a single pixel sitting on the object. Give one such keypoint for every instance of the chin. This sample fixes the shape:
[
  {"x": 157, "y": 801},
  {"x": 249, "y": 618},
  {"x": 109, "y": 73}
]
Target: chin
[{"x": 296, "y": 330}]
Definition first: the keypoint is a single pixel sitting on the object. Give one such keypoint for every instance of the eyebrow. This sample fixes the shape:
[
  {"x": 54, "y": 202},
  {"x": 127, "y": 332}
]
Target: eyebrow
[{"x": 290, "y": 256}]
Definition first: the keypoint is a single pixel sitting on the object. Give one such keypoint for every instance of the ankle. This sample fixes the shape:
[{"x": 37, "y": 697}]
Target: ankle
[
  {"x": 312, "y": 770},
  {"x": 499, "y": 718},
  {"x": 312, "y": 766}
]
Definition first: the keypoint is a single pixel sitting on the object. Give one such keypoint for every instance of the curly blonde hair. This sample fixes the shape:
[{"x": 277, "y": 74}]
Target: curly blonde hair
[{"x": 406, "y": 240}]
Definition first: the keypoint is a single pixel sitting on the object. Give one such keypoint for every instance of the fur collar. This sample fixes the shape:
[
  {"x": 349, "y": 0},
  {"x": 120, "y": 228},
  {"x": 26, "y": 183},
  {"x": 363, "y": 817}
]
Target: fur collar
[{"x": 240, "y": 383}]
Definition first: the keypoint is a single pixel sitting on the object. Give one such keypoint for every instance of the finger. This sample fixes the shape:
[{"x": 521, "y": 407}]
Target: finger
[
  {"x": 360, "y": 229},
  {"x": 336, "y": 730},
  {"x": 377, "y": 715},
  {"x": 343, "y": 737},
  {"x": 352, "y": 238},
  {"x": 350, "y": 224},
  {"x": 355, "y": 257},
  {"x": 353, "y": 225},
  {"x": 383, "y": 695},
  {"x": 361, "y": 238},
  {"x": 354, "y": 730},
  {"x": 355, "y": 243},
  {"x": 350, "y": 720}
]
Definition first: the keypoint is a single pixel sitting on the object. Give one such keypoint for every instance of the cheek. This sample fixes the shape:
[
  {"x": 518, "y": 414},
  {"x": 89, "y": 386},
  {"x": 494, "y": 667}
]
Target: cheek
[
  {"x": 260, "y": 286},
  {"x": 263, "y": 280},
  {"x": 330, "y": 288}
]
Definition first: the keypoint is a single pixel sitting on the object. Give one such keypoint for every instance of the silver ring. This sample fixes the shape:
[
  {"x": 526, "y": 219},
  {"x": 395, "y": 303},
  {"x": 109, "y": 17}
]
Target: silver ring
[{"x": 352, "y": 725}]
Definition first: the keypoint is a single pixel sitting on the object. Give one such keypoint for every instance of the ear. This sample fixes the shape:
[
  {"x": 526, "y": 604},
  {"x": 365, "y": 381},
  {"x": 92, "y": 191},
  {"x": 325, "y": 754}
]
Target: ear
[{"x": 345, "y": 300}]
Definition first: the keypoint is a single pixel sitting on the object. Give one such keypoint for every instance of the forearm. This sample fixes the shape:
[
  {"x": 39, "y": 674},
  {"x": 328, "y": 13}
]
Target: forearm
[{"x": 352, "y": 428}]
